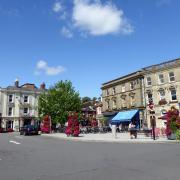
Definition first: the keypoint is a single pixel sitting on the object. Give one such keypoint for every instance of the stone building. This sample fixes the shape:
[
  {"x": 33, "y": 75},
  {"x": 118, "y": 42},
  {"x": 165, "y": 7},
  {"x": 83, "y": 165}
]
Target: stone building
[
  {"x": 156, "y": 85},
  {"x": 19, "y": 105},
  {"x": 162, "y": 88},
  {"x": 124, "y": 93}
]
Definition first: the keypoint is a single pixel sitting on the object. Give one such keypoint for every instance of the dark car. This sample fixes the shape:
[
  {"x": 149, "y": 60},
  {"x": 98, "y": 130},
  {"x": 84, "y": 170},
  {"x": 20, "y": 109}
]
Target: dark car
[{"x": 29, "y": 130}]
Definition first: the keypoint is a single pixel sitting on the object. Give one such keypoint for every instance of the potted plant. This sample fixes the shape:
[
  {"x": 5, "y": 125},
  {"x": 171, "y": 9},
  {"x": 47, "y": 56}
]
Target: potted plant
[
  {"x": 173, "y": 130},
  {"x": 172, "y": 123}
]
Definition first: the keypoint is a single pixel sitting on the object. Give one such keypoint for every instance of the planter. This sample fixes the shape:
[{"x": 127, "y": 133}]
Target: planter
[{"x": 172, "y": 136}]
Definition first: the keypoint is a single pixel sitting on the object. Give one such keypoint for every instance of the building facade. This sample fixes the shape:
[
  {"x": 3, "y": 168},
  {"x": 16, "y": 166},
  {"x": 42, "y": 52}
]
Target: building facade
[
  {"x": 124, "y": 93},
  {"x": 19, "y": 105},
  {"x": 157, "y": 85},
  {"x": 162, "y": 89}
]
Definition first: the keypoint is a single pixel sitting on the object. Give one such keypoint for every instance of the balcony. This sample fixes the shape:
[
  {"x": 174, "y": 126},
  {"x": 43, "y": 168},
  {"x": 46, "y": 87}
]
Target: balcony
[{"x": 27, "y": 114}]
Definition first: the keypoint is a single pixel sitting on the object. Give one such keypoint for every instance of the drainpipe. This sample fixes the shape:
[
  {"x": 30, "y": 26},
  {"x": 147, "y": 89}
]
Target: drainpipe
[{"x": 144, "y": 99}]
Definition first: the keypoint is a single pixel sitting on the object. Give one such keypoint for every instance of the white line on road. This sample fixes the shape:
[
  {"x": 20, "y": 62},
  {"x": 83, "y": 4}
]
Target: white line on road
[{"x": 14, "y": 142}]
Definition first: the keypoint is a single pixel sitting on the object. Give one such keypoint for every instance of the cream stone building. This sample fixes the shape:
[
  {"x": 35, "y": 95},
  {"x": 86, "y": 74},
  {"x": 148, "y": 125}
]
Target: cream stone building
[
  {"x": 19, "y": 105},
  {"x": 124, "y": 93},
  {"x": 157, "y": 84},
  {"x": 162, "y": 89}
]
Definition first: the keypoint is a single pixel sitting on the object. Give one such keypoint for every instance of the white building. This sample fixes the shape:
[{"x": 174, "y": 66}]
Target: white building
[{"x": 19, "y": 105}]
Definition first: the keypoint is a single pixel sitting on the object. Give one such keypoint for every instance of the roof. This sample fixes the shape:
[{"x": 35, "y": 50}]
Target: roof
[
  {"x": 24, "y": 87},
  {"x": 135, "y": 74}
]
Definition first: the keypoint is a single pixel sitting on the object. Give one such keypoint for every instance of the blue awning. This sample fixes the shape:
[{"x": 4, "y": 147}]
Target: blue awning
[{"x": 124, "y": 116}]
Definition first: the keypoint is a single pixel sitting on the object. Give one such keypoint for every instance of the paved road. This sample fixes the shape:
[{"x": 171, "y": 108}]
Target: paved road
[{"x": 42, "y": 158}]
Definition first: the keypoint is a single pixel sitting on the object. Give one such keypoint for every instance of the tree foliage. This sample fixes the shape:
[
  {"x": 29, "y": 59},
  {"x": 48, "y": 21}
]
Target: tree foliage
[
  {"x": 58, "y": 101},
  {"x": 86, "y": 99}
]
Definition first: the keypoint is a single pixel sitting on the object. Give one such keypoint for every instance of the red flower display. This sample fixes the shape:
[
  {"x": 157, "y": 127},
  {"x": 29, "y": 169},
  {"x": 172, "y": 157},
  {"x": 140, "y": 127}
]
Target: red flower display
[
  {"x": 172, "y": 116},
  {"x": 73, "y": 125}
]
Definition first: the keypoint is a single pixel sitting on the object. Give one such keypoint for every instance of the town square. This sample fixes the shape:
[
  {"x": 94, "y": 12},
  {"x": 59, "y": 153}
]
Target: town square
[{"x": 89, "y": 89}]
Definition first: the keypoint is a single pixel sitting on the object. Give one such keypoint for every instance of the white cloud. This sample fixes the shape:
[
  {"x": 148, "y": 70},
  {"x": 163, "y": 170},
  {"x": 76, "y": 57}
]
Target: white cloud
[
  {"x": 57, "y": 7},
  {"x": 66, "y": 32},
  {"x": 42, "y": 67},
  {"x": 97, "y": 19}
]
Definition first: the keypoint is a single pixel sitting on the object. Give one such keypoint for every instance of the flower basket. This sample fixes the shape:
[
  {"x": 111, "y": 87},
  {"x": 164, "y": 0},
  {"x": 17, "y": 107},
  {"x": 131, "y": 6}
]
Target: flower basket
[{"x": 162, "y": 102}]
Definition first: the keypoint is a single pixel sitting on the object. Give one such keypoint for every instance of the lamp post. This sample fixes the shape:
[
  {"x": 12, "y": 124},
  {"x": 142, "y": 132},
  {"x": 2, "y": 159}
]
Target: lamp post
[
  {"x": 153, "y": 125},
  {"x": 152, "y": 120}
]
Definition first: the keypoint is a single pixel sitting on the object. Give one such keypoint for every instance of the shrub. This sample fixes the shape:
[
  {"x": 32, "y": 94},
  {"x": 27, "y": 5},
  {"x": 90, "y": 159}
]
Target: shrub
[{"x": 178, "y": 134}]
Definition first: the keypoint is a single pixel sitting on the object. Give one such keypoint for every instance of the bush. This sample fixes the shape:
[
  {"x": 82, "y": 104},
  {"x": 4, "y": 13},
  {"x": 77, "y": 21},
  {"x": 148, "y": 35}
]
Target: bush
[
  {"x": 178, "y": 134},
  {"x": 173, "y": 126}
]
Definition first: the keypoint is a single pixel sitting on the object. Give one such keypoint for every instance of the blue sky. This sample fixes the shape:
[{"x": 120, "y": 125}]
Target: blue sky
[{"x": 86, "y": 41}]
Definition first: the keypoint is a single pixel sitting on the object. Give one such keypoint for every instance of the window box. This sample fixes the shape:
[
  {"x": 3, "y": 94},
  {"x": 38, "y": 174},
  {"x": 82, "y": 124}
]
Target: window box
[
  {"x": 162, "y": 102},
  {"x": 175, "y": 101}
]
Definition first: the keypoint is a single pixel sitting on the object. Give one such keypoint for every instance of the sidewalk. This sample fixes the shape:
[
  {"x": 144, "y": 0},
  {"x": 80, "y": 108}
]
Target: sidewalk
[{"x": 107, "y": 137}]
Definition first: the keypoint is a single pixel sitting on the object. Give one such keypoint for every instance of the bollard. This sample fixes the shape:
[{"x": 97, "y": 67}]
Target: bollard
[{"x": 114, "y": 134}]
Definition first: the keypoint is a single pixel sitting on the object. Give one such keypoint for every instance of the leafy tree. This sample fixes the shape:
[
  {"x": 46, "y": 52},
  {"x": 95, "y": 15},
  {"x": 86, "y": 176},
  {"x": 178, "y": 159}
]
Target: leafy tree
[
  {"x": 86, "y": 99},
  {"x": 94, "y": 99},
  {"x": 58, "y": 101}
]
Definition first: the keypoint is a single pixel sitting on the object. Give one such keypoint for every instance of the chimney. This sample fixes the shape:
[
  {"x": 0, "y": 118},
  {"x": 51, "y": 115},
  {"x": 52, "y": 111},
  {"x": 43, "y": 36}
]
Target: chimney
[
  {"x": 43, "y": 86},
  {"x": 16, "y": 84}
]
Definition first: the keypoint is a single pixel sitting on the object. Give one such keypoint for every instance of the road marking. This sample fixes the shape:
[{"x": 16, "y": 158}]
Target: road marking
[
  {"x": 0, "y": 159},
  {"x": 14, "y": 142},
  {"x": 19, "y": 137}
]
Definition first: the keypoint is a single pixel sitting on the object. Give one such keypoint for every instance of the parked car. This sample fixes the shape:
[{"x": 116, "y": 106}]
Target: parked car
[{"x": 29, "y": 130}]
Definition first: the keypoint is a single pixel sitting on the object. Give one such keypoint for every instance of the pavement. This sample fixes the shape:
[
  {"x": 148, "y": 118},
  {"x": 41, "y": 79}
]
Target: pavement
[
  {"x": 46, "y": 158},
  {"x": 108, "y": 137}
]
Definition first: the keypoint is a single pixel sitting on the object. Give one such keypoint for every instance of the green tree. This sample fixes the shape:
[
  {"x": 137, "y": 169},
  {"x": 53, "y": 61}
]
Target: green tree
[
  {"x": 86, "y": 99},
  {"x": 58, "y": 101},
  {"x": 94, "y": 99}
]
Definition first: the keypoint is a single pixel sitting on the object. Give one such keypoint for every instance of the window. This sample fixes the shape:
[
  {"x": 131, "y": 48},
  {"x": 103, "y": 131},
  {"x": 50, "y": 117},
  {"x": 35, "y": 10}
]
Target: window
[
  {"x": 163, "y": 112},
  {"x": 10, "y": 98},
  {"x": 107, "y": 92},
  {"x": 150, "y": 98},
  {"x": 149, "y": 83},
  {"x": 114, "y": 90},
  {"x": 123, "y": 101},
  {"x": 132, "y": 100},
  {"x": 25, "y": 110},
  {"x": 162, "y": 94},
  {"x": 131, "y": 85},
  {"x": 123, "y": 88},
  {"x": 114, "y": 103},
  {"x": 171, "y": 77},
  {"x": 107, "y": 104},
  {"x": 173, "y": 95},
  {"x": 10, "y": 111},
  {"x": 26, "y": 98},
  {"x": 161, "y": 78}
]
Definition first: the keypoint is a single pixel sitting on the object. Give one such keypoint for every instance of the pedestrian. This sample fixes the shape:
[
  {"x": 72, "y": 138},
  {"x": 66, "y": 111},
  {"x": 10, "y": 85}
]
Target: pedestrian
[{"x": 132, "y": 130}]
